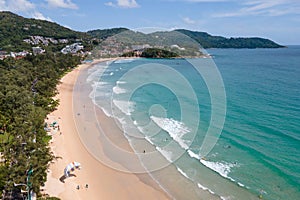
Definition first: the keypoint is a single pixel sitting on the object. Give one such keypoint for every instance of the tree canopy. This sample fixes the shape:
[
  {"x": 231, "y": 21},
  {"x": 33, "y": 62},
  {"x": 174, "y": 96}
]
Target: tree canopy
[{"x": 26, "y": 90}]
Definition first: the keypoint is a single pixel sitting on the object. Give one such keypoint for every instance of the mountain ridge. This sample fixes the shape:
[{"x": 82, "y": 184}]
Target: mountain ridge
[
  {"x": 14, "y": 29},
  {"x": 209, "y": 41}
]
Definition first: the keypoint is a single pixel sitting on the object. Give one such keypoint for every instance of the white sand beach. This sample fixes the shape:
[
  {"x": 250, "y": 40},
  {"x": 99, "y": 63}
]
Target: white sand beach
[{"x": 95, "y": 180}]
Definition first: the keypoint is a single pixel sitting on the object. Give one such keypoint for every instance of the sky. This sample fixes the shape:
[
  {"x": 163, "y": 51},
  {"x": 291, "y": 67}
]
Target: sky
[{"x": 278, "y": 20}]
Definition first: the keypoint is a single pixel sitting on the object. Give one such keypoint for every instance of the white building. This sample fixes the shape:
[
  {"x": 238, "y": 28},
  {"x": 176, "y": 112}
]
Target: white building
[{"x": 73, "y": 48}]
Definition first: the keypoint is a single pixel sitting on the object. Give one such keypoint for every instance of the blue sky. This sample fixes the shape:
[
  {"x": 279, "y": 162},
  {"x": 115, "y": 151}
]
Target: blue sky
[{"x": 278, "y": 20}]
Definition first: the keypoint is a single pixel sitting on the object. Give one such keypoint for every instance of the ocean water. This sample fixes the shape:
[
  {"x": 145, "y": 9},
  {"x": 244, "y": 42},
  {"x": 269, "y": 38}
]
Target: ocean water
[{"x": 172, "y": 105}]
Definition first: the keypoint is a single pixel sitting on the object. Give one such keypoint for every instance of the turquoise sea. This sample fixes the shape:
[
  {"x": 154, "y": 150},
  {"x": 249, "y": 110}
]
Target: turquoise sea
[{"x": 170, "y": 105}]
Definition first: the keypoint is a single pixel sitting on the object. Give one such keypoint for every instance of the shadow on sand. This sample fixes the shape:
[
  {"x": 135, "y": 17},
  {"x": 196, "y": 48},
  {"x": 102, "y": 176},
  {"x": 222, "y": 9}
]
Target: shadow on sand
[{"x": 63, "y": 177}]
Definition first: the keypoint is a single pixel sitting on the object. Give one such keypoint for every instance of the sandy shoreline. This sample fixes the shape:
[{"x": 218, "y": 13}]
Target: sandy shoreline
[{"x": 103, "y": 181}]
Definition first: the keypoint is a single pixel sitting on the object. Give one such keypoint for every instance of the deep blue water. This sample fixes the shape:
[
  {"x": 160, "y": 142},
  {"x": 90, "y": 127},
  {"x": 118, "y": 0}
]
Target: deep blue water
[{"x": 263, "y": 117}]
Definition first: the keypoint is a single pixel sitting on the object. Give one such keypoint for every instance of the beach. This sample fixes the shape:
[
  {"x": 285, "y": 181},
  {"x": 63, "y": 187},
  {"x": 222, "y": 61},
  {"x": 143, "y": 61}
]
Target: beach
[
  {"x": 94, "y": 180},
  {"x": 117, "y": 162}
]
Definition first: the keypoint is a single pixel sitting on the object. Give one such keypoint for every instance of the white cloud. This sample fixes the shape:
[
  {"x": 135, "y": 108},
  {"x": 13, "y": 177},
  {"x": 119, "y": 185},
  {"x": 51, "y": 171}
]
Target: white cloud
[
  {"x": 24, "y": 7},
  {"x": 188, "y": 20},
  {"x": 38, "y": 15},
  {"x": 123, "y": 4},
  {"x": 264, "y": 7},
  {"x": 16, "y": 5},
  {"x": 62, "y": 4}
]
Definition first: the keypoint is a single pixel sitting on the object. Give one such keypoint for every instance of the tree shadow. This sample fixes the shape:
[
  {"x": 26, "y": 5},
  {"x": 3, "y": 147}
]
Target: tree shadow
[{"x": 63, "y": 177}]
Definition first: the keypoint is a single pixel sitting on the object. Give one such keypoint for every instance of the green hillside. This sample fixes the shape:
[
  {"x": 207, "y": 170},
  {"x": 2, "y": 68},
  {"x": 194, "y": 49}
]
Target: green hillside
[
  {"x": 208, "y": 41},
  {"x": 174, "y": 37},
  {"x": 14, "y": 29},
  {"x": 105, "y": 33}
]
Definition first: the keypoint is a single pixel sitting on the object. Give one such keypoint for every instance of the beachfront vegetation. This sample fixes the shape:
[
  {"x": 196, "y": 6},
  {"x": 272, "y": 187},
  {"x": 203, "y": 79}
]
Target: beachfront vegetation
[
  {"x": 151, "y": 53},
  {"x": 26, "y": 90},
  {"x": 158, "y": 53}
]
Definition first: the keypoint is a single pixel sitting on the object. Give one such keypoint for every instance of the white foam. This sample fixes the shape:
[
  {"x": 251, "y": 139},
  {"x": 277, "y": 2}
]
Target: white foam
[
  {"x": 175, "y": 129},
  {"x": 225, "y": 198},
  {"x": 99, "y": 84},
  {"x": 119, "y": 90},
  {"x": 92, "y": 93},
  {"x": 221, "y": 168},
  {"x": 107, "y": 113},
  {"x": 202, "y": 187},
  {"x": 183, "y": 173},
  {"x": 102, "y": 86},
  {"x": 165, "y": 153},
  {"x": 193, "y": 155},
  {"x": 120, "y": 82},
  {"x": 95, "y": 74},
  {"x": 205, "y": 188},
  {"x": 240, "y": 184},
  {"x": 127, "y": 107},
  {"x": 124, "y": 60},
  {"x": 122, "y": 120},
  {"x": 149, "y": 140},
  {"x": 141, "y": 129},
  {"x": 111, "y": 73}
]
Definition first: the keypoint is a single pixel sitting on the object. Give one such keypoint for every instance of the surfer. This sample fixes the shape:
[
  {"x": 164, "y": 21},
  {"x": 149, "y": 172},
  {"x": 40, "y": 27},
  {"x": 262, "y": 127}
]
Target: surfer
[{"x": 227, "y": 146}]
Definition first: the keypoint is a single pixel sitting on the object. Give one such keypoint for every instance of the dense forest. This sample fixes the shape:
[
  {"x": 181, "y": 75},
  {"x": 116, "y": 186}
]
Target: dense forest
[
  {"x": 208, "y": 41},
  {"x": 158, "y": 53},
  {"x": 105, "y": 33},
  {"x": 26, "y": 90},
  {"x": 152, "y": 53}
]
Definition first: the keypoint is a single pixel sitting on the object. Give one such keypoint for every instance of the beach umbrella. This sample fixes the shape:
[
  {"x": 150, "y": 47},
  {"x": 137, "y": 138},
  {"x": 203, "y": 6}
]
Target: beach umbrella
[
  {"x": 70, "y": 167},
  {"x": 66, "y": 172},
  {"x": 77, "y": 164}
]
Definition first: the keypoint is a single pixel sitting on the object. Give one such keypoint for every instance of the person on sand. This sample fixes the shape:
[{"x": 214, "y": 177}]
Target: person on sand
[
  {"x": 78, "y": 187},
  {"x": 86, "y": 186}
]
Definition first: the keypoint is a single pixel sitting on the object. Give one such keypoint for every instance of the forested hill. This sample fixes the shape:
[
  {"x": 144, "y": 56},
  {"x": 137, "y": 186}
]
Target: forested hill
[
  {"x": 14, "y": 29},
  {"x": 204, "y": 39},
  {"x": 105, "y": 33},
  {"x": 208, "y": 41}
]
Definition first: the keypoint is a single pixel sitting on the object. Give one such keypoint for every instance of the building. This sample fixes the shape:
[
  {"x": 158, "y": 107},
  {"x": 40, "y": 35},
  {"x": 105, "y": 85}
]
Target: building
[
  {"x": 73, "y": 48},
  {"x": 37, "y": 50}
]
